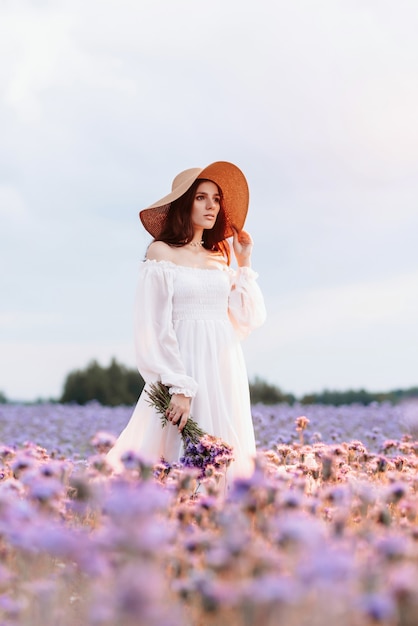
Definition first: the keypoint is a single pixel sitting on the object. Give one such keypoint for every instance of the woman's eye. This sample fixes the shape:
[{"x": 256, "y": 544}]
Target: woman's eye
[{"x": 199, "y": 197}]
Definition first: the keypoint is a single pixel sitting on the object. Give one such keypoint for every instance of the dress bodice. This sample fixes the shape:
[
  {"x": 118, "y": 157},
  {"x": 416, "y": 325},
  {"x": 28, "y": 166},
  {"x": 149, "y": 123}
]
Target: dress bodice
[{"x": 200, "y": 294}]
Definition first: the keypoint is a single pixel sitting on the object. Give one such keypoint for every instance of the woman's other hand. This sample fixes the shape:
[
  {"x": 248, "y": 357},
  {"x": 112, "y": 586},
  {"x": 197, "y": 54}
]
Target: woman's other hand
[
  {"x": 243, "y": 245},
  {"x": 178, "y": 410}
]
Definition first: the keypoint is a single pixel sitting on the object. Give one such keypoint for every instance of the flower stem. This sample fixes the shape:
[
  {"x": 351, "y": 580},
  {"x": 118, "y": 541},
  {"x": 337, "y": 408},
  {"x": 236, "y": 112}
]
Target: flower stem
[{"x": 159, "y": 398}]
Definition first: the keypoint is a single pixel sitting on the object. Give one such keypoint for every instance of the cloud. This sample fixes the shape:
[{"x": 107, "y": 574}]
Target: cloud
[
  {"x": 12, "y": 205},
  {"x": 22, "y": 320},
  {"x": 312, "y": 314}
]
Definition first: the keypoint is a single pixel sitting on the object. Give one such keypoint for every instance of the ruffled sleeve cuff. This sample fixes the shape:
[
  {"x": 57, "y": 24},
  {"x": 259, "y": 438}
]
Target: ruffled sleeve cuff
[
  {"x": 181, "y": 391},
  {"x": 245, "y": 272},
  {"x": 179, "y": 383}
]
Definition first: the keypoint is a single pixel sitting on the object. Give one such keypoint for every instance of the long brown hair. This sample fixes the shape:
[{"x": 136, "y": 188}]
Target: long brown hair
[{"x": 178, "y": 228}]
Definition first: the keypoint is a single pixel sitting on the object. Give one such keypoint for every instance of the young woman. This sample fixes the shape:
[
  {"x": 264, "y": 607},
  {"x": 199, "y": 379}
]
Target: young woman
[{"x": 192, "y": 310}]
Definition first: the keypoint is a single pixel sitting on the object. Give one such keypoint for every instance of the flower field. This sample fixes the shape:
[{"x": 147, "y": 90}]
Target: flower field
[{"x": 324, "y": 532}]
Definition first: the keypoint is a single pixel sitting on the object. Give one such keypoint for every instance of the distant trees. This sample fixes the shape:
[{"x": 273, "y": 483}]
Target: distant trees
[
  {"x": 403, "y": 394},
  {"x": 338, "y": 398},
  {"x": 117, "y": 384},
  {"x": 3, "y": 399},
  {"x": 266, "y": 393},
  {"x": 360, "y": 396},
  {"x": 111, "y": 386}
]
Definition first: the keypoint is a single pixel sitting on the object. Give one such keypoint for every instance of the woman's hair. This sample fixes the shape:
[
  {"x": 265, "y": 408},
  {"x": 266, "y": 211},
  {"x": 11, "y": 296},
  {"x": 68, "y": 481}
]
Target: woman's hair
[{"x": 178, "y": 227}]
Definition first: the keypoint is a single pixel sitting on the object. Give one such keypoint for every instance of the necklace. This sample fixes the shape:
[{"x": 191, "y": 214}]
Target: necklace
[{"x": 197, "y": 244}]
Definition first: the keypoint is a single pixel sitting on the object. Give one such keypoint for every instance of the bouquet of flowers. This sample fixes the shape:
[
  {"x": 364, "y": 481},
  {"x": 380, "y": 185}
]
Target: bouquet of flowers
[{"x": 200, "y": 449}]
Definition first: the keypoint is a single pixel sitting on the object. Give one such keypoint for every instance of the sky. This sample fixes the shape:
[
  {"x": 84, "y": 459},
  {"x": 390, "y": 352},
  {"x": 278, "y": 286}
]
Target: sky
[{"x": 103, "y": 102}]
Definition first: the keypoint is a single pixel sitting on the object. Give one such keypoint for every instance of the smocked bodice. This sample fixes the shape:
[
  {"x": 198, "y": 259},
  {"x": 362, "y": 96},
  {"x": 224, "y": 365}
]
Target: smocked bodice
[{"x": 200, "y": 294}]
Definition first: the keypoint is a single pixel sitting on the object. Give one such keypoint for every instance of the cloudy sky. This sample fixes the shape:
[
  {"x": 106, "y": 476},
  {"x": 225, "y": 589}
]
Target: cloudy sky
[{"x": 103, "y": 102}]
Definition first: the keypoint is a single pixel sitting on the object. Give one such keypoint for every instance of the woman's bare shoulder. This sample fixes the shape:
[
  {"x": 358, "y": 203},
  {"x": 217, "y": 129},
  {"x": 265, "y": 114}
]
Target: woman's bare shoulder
[{"x": 159, "y": 251}]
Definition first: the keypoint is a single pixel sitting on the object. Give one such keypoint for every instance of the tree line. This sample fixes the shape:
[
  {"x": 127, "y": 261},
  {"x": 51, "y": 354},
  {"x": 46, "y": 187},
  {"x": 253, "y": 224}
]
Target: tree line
[
  {"x": 263, "y": 392},
  {"x": 112, "y": 386},
  {"x": 116, "y": 385}
]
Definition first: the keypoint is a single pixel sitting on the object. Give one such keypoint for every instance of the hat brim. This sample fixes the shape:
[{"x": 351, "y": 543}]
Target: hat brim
[{"x": 235, "y": 195}]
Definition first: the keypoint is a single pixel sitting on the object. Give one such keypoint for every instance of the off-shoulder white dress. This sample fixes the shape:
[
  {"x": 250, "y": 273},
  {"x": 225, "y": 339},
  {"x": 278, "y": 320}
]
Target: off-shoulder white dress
[{"x": 188, "y": 326}]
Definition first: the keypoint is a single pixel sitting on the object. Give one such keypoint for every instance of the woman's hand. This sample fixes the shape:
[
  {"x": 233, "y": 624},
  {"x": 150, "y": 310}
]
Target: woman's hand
[
  {"x": 243, "y": 245},
  {"x": 178, "y": 410}
]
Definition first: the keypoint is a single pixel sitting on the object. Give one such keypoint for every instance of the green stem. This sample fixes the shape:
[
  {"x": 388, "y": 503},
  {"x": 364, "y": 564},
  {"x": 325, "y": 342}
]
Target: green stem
[{"x": 159, "y": 398}]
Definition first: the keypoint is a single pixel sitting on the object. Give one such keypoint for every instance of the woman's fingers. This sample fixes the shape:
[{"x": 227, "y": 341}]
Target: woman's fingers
[
  {"x": 245, "y": 238},
  {"x": 183, "y": 422},
  {"x": 242, "y": 240},
  {"x": 243, "y": 245},
  {"x": 242, "y": 236},
  {"x": 178, "y": 418},
  {"x": 172, "y": 414},
  {"x": 178, "y": 410}
]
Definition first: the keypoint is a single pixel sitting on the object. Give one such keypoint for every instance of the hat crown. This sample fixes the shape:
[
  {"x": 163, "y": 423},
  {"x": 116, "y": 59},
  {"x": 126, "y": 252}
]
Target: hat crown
[
  {"x": 227, "y": 176},
  {"x": 184, "y": 176}
]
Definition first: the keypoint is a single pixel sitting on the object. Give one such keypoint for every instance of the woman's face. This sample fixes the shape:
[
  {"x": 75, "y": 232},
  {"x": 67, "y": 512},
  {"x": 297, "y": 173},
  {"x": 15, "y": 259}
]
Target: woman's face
[{"x": 206, "y": 205}]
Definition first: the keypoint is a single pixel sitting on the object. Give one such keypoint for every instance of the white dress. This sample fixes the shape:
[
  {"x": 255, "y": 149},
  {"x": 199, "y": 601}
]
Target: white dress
[{"x": 188, "y": 327}]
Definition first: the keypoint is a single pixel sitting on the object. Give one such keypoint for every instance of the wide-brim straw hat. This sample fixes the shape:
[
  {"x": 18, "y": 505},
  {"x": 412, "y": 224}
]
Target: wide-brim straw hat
[{"x": 227, "y": 176}]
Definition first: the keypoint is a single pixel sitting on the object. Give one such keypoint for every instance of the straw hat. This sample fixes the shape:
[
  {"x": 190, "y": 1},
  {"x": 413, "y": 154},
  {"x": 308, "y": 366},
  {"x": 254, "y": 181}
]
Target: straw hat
[{"x": 226, "y": 175}]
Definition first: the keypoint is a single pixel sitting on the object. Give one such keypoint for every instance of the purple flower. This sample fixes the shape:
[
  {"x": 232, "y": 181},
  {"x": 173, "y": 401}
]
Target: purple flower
[
  {"x": 396, "y": 492},
  {"x": 207, "y": 452},
  {"x": 6, "y": 452},
  {"x": 103, "y": 441},
  {"x": 133, "y": 461},
  {"x": 10, "y": 607},
  {"x": 131, "y": 500},
  {"x": 44, "y": 490},
  {"x": 378, "y": 607},
  {"x": 21, "y": 463},
  {"x": 299, "y": 529},
  {"x": 272, "y": 588},
  {"x": 393, "y": 547}
]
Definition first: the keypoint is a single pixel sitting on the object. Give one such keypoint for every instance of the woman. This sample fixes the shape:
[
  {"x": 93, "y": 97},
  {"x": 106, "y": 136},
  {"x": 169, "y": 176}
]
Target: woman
[{"x": 192, "y": 310}]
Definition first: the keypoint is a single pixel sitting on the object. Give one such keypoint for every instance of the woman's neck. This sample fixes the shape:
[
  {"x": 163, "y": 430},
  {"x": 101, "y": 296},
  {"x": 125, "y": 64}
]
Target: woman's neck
[{"x": 197, "y": 237}]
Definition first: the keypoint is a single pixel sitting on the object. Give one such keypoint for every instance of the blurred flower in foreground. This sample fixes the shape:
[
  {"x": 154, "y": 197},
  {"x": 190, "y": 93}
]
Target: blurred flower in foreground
[
  {"x": 103, "y": 441},
  {"x": 302, "y": 423},
  {"x": 378, "y": 607}
]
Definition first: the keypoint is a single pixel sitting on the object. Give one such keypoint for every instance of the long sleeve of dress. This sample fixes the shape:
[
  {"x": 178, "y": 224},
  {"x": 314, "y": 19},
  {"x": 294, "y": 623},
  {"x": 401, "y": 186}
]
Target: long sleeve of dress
[
  {"x": 157, "y": 352},
  {"x": 246, "y": 303}
]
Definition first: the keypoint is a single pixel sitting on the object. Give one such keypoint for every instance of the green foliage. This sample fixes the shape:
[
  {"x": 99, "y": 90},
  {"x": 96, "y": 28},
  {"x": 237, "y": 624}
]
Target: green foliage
[
  {"x": 404, "y": 394},
  {"x": 3, "y": 399},
  {"x": 111, "y": 386},
  {"x": 264, "y": 392},
  {"x": 116, "y": 384},
  {"x": 360, "y": 396},
  {"x": 337, "y": 398}
]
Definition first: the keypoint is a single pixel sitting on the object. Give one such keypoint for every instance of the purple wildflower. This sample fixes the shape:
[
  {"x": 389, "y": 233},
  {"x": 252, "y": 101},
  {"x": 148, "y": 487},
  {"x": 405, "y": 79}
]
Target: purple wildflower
[
  {"x": 378, "y": 607},
  {"x": 207, "y": 452},
  {"x": 103, "y": 441}
]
